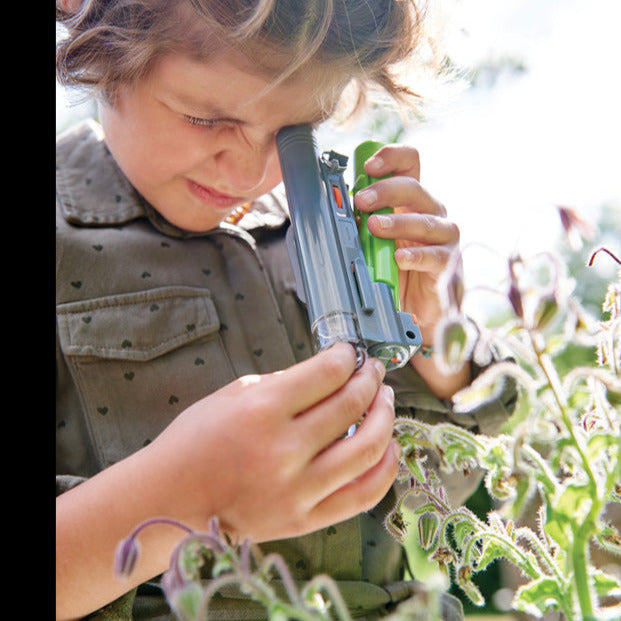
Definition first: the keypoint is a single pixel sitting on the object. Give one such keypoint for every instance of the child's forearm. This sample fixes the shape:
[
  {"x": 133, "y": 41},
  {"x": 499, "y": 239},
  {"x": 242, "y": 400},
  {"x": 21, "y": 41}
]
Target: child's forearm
[
  {"x": 442, "y": 386},
  {"x": 91, "y": 520}
]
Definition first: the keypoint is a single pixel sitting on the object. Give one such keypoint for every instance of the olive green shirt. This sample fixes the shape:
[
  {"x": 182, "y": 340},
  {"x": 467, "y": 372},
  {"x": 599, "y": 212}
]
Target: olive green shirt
[{"x": 151, "y": 319}]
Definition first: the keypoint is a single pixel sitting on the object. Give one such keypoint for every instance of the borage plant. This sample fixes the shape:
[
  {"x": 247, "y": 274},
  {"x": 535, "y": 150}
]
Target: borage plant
[
  {"x": 564, "y": 447},
  {"x": 262, "y": 579}
]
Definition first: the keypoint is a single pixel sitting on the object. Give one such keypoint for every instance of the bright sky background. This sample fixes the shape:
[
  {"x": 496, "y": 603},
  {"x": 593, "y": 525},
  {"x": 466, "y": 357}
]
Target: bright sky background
[
  {"x": 548, "y": 136},
  {"x": 502, "y": 157}
]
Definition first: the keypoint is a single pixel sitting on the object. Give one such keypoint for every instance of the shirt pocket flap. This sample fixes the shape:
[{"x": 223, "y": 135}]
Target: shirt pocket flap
[{"x": 136, "y": 326}]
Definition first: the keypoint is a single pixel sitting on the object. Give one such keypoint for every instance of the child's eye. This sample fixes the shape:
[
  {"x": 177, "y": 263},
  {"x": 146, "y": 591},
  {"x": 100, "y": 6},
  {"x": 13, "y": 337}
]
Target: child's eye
[{"x": 208, "y": 123}]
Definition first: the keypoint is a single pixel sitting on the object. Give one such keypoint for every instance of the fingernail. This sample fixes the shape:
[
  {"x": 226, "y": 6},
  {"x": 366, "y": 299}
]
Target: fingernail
[
  {"x": 367, "y": 197},
  {"x": 380, "y": 366},
  {"x": 389, "y": 393},
  {"x": 374, "y": 164},
  {"x": 385, "y": 222},
  {"x": 407, "y": 256}
]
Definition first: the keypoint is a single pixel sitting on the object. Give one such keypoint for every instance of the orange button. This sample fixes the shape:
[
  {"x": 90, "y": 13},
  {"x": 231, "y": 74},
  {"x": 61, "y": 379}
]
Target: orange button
[{"x": 339, "y": 198}]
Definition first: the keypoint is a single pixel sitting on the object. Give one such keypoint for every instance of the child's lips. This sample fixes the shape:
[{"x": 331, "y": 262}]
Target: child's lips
[{"x": 212, "y": 197}]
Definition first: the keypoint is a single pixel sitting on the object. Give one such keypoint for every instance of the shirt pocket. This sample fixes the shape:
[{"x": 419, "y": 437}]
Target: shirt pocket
[{"x": 139, "y": 359}]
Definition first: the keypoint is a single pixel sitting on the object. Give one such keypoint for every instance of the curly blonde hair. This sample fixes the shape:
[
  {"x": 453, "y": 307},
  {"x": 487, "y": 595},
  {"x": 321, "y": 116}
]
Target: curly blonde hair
[{"x": 110, "y": 43}]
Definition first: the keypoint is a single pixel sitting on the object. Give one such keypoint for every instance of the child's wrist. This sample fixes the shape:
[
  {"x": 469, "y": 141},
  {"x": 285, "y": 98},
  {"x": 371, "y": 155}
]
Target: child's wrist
[{"x": 426, "y": 351}]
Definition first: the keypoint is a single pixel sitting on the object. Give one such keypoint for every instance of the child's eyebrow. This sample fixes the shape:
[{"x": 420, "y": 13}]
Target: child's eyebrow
[{"x": 210, "y": 110}]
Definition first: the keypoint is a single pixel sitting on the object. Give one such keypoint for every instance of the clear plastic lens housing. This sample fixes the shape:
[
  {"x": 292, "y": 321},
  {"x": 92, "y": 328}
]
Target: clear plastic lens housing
[
  {"x": 393, "y": 356},
  {"x": 337, "y": 327}
]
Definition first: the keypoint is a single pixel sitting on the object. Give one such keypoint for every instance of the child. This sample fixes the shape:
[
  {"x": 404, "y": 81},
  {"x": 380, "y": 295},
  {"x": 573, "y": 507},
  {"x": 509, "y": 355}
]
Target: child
[{"x": 186, "y": 384}]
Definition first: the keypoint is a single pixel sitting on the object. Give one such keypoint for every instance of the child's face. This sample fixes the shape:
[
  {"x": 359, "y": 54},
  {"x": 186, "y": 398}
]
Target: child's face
[{"x": 195, "y": 141}]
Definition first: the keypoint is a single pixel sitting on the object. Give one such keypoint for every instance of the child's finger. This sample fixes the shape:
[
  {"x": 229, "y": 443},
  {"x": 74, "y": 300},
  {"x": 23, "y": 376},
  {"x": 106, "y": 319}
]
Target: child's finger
[
  {"x": 398, "y": 192},
  {"x": 433, "y": 259},
  {"x": 418, "y": 227},
  {"x": 324, "y": 423},
  {"x": 351, "y": 457},
  {"x": 395, "y": 159},
  {"x": 303, "y": 385},
  {"x": 364, "y": 492}
]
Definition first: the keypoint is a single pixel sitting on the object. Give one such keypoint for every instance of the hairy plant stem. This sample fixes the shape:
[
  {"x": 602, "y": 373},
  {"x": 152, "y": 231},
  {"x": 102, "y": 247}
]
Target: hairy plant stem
[
  {"x": 518, "y": 557},
  {"x": 555, "y": 385},
  {"x": 434, "y": 497},
  {"x": 580, "y": 577},
  {"x": 580, "y": 566},
  {"x": 263, "y": 593},
  {"x": 543, "y": 554}
]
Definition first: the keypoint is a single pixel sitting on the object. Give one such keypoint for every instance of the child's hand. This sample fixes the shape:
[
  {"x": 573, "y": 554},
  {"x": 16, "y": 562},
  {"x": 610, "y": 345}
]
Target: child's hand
[
  {"x": 424, "y": 237},
  {"x": 266, "y": 453}
]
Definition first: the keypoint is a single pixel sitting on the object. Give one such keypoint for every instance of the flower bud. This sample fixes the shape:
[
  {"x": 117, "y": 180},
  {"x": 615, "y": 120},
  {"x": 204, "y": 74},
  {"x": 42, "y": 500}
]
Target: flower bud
[
  {"x": 515, "y": 295},
  {"x": 575, "y": 226},
  {"x": 515, "y": 299},
  {"x": 427, "y": 529},
  {"x": 464, "y": 580},
  {"x": 545, "y": 311},
  {"x": 455, "y": 340},
  {"x": 443, "y": 556},
  {"x": 396, "y": 525},
  {"x": 126, "y": 557}
]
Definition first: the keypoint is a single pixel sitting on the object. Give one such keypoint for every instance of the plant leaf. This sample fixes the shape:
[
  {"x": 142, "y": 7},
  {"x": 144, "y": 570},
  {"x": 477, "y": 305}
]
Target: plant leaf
[
  {"x": 537, "y": 596},
  {"x": 605, "y": 584}
]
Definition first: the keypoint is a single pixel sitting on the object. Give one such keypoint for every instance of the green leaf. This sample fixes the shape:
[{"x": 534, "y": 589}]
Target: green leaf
[
  {"x": 411, "y": 457},
  {"x": 609, "y": 538},
  {"x": 475, "y": 394},
  {"x": 499, "y": 453},
  {"x": 472, "y": 591},
  {"x": 538, "y": 596},
  {"x": 454, "y": 342},
  {"x": 560, "y": 531},
  {"x": 461, "y": 530},
  {"x": 566, "y": 511},
  {"x": 524, "y": 489},
  {"x": 573, "y": 500},
  {"x": 492, "y": 550},
  {"x": 598, "y": 444},
  {"x": 605, "y": 584},
  {"x": 614, "y": 398},
  {"x": 457, "y": 452},
  {"x": 428, "y": 506}
]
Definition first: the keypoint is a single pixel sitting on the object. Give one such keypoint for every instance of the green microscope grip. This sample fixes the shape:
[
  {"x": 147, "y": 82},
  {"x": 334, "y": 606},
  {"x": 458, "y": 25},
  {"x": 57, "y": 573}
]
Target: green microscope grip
[{"x": 379, "y": 253}]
